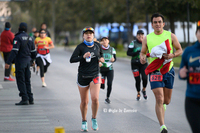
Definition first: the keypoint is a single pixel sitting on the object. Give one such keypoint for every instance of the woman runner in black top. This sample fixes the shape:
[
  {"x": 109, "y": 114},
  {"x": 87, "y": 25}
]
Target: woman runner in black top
[{"x": 89, "y": 54}]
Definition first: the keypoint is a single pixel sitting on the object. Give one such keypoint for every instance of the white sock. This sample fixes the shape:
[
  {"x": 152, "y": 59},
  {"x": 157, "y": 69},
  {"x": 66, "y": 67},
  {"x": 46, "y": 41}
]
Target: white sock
[{"x": 162, "y": 126}]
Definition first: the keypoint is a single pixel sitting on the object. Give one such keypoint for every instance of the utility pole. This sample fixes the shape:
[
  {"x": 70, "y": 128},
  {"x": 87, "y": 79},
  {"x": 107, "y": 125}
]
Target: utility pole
[
  {"x": 128, "y": 21},
  {"x": 188, "y": 24},
  {"x": 53, "y": 21},
  {"x": 147, "y": 23},
  {"x": 93, "y": 14}
]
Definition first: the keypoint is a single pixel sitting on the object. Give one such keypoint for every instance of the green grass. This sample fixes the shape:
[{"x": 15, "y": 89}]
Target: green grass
[
  {"x": 177, "y": 61},
  {"x": 122, "y": 53}
]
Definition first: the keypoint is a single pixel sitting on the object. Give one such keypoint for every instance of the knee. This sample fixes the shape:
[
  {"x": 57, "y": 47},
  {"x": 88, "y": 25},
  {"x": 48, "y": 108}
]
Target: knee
[
  {"x": 95, "y": 100},
  {"x": 84, "y": 103},
  {"x": 167, "y": 101},
  {"x": 159, "y": 99}
]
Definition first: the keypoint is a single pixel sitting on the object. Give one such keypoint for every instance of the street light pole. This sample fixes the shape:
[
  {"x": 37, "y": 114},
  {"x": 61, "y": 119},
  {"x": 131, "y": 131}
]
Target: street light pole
[
  {"x": 128, "y": 21},
  {"x": 53, "y": 21},
  {"x": 188, "y": 24}
]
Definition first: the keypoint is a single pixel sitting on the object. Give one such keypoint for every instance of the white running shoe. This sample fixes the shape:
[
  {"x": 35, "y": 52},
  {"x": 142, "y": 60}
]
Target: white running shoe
[{"x": 44, "y": 84}]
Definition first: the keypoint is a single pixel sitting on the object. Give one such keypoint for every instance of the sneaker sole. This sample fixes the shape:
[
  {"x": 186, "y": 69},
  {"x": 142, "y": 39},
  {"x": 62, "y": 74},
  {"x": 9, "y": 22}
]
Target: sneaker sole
[
  {"x": 94, "y": 129},
  {"x": 164, "y": 131},
  {"x": 84, "y": 130}
]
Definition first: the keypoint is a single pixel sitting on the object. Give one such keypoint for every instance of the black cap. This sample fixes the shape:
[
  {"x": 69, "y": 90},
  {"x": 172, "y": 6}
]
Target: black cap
[
  {"x": 140, "y": 32},
  {"x": 23, "y": 26},
  {"x": 104, "y": 37},
  {"x": 7, "y": 25}
]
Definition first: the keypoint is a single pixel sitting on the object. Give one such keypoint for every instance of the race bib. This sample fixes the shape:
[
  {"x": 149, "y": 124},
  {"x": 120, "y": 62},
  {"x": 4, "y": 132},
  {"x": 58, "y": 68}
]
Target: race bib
[
  {"x": 97, "y": 80},
  {"x": 136, "y": 73},
  {"x": 156, "y": 77},
  {"x": 102, "y": 80},
  {"x": 194, "y": 78}
]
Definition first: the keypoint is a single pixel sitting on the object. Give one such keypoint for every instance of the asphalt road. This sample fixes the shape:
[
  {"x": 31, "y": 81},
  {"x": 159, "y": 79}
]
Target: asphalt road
[{"x": 58, "y": 103}]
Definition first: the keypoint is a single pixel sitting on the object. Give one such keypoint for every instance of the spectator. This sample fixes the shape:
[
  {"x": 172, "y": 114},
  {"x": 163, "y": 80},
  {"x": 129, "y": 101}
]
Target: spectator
[
  {"x": 23, "y": 51},
  {"x": 6, "y": 46}
]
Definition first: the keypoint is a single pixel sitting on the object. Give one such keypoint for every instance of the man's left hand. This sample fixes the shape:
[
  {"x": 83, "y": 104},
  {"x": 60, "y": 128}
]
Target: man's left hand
[
  {"x": 168, "y": 56},
  {"x": 7, "y": 66}
]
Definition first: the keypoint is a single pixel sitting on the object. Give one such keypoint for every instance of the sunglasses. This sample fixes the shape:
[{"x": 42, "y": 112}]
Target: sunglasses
[
  {"x": 42, "y": 32},
  {"x": 85, "y": 29}
]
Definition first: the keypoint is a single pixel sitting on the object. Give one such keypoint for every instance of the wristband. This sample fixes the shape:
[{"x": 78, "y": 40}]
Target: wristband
[{"x": 174, "y": 55}]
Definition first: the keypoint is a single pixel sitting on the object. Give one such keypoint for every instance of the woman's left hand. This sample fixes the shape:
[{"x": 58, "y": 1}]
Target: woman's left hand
[
  {"x": 112, "y": 59},
  {"x": 101, "y": 59}
]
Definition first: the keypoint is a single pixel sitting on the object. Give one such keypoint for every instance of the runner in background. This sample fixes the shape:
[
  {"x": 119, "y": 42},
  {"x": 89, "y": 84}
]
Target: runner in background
[
  {"x": 190, "y": 71},
  {"x": 137, "y": 68},
  {"x": 43, "y": 59},
  {"x": 106, "y": 68}
]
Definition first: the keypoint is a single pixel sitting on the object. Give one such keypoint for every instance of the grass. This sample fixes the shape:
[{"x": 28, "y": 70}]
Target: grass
[{"x": 122, "y": 53}]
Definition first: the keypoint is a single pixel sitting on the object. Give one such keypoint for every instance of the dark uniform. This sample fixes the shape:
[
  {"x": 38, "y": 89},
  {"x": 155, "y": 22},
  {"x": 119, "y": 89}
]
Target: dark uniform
[{"x": 23, "y": 51}]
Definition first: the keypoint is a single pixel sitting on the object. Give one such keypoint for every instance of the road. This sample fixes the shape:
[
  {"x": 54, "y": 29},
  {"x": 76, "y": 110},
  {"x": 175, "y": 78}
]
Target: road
[{"x": 58, "y": 103}]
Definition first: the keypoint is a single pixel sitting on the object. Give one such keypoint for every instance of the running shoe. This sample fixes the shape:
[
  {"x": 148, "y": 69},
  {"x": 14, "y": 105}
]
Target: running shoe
[
  {"x": 84, "y": 126},
  {"x": 37, "y": 73},
  {"x": 44, "y": 84},
  {"x": 165, "y": 106},
  {"x": 138, "y": 97},
  {"x": 144, "y": 95},
  {"x": 9, "y": 79},
  {"x": 163, "y": 129},
  {"x": 94, "y": 124},
  {"x": 107, "y": 100}
]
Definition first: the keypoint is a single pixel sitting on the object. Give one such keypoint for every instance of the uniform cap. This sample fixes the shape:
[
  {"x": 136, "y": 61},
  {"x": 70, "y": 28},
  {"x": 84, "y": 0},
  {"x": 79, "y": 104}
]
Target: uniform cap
[{"x": 23, "y": 25}]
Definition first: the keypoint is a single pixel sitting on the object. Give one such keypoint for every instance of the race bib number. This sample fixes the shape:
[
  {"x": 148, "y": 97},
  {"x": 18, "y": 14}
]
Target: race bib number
[
  {"x": 136, "y": 73},
  {"x": 194, "y": 78},
  {"x": 102, "y": 80},
  {"x": 156, "y": 77},
  {"x": 97, "y": 80}
]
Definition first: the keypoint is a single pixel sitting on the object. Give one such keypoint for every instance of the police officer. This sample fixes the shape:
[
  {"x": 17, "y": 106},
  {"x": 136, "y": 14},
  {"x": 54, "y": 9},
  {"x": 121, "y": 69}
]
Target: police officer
[{"x": 23, "y": 51}]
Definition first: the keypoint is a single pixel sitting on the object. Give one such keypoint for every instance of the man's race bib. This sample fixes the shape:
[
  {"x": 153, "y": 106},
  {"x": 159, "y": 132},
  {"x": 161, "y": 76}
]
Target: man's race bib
[
  {"x": 156, "y": 77},
  {"x": 194, "y": 78}
]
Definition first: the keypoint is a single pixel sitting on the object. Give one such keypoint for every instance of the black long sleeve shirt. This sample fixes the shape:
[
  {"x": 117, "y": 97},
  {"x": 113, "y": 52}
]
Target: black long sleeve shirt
[{"x": 87, "y": 68}]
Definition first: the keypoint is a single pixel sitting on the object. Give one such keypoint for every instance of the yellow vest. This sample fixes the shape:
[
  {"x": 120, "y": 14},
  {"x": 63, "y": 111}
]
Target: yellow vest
[{"x": 155, "y": 40}]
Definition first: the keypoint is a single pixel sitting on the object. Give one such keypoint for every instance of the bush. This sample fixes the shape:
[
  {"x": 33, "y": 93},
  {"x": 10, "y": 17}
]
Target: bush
[{"x": 120, "y": 47}]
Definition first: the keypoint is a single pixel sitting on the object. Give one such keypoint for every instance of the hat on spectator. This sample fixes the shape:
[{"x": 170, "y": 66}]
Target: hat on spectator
[
  {"x": 7, "y": 25},
  {"x": 140, "y": 32}
]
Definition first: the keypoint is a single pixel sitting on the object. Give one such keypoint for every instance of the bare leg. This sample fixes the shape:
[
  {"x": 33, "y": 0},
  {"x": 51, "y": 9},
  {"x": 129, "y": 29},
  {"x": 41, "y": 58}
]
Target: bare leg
[
  {"x": 94, "y": 91},
  {"x": 84, "y": 94},
  {"x": 167, "y": 95},
  {"x": 158, "y": 92}
]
